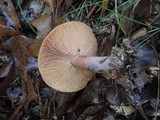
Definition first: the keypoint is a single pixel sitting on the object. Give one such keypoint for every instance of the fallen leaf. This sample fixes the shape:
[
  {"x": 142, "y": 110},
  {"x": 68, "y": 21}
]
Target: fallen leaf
[
  {"x": 123, "y": 109},
  {"x": 10, "y": 14},
  {"x": 34, "y": 47},
  {"x": 6, "y": 31},
  {"x": 8, "y": 80},
  {"x": 18, "y": 46},
  {"x": 145, "y": 58},
  {"x": 43, "y": 25}
]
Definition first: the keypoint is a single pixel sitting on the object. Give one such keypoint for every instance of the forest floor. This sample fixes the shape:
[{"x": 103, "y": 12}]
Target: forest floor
[{"x": 129, "y": 25}]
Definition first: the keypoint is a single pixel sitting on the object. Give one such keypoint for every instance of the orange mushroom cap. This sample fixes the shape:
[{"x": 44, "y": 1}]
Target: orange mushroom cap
[{"x": 58, "y": 48}]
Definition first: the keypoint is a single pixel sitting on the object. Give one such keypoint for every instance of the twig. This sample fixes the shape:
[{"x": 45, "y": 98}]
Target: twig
[{"x": 91, "y": 11}]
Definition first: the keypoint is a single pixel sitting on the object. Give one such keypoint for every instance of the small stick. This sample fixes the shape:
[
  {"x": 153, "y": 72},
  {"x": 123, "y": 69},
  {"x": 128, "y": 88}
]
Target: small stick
[{"x": 91, "y": 11}]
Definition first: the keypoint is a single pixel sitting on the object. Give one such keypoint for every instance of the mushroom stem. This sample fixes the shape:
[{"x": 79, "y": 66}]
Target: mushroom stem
[{"x": 96, "y": 64}]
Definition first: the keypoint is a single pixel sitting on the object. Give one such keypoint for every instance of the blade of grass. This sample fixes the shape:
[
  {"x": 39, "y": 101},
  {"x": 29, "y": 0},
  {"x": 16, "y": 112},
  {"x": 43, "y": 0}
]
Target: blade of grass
[{"x": 118, "y": 31}]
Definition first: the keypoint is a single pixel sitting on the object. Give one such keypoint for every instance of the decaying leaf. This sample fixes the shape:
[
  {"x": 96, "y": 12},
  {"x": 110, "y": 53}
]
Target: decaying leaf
[
  {"x": 123, "y": 109},
  {"x": 145, "y": 58},
  {"x": 21, "y": 44},
  {"x": 32, "y": 10},
  {"x": 10, "y": 14},
  {"x": 34, "y": 47},
  {"x": 6, "y": 31},
  {"x": 18, "y": 46}
]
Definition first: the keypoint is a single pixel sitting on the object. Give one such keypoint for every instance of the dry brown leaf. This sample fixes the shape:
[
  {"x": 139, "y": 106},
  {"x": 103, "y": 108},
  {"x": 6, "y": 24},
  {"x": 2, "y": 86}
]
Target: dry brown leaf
[
  {"x": 5, "y": 31},
  {"x": 21, "y": 44},
  {"x": 34, "y": 47},
  {"x": 43, "y": 25},
  {"x": 10, "y": 14},
  {"x": 18, "y": 46}
]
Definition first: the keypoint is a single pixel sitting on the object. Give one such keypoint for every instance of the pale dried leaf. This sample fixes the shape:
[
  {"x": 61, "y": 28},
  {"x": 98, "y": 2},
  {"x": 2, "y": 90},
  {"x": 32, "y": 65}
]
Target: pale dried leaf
[{"x": 123, "y": 109}]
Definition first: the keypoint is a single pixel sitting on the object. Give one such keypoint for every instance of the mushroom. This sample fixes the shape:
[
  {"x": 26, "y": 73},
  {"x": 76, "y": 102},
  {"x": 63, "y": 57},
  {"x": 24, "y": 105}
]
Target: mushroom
[{"x": 67, "y": 59}]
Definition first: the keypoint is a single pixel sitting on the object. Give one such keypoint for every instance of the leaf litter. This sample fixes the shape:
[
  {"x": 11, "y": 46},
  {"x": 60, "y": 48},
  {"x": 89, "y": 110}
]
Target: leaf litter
[{"x": 127, "y": 29}]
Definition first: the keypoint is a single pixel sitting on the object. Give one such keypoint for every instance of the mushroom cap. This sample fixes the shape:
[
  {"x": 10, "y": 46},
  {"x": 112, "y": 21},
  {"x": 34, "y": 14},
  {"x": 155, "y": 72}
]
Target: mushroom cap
[{"x": 58, "y": 48}]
